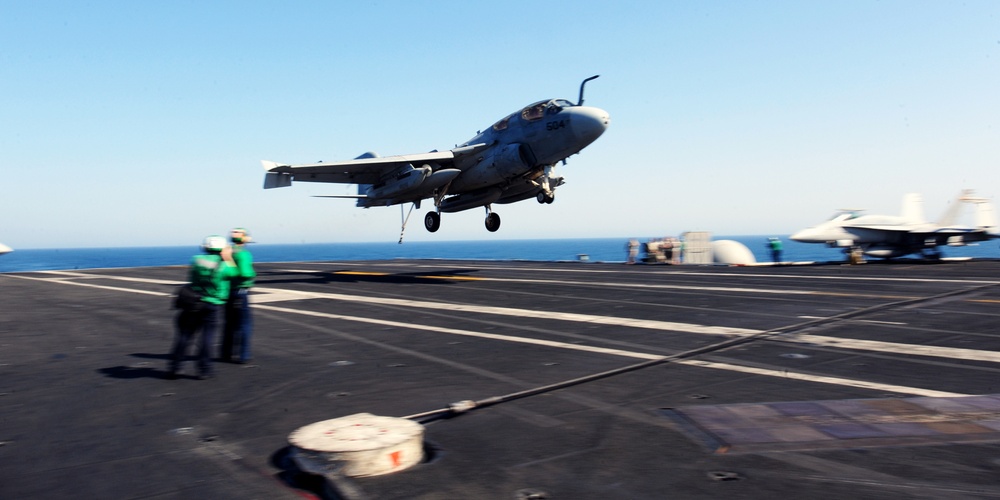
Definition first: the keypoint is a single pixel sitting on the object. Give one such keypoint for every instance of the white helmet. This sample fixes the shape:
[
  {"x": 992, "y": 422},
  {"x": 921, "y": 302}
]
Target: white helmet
[{"x": 214, "y": 243}]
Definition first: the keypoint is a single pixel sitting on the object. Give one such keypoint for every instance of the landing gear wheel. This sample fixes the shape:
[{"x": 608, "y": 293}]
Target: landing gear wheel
[
  {"x": 492, "y": 222},
  {"x": 545, "y": 199},
  {"x": 432, "y": 221}
]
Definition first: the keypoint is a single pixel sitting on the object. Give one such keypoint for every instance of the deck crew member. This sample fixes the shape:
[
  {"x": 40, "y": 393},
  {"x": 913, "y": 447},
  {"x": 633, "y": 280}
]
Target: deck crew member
[
  {"x": 209, "y": 277},
  {"x": 239, "y": 322}
]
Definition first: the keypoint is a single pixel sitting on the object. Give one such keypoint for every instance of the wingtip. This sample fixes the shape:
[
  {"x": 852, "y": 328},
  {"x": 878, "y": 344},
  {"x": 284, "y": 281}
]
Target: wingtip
[{"x": 271, "y": 165}]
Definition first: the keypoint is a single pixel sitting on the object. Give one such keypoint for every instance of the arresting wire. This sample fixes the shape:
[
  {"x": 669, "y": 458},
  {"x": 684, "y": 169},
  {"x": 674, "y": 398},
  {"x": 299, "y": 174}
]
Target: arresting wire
[{"x": 462, "y": 407}]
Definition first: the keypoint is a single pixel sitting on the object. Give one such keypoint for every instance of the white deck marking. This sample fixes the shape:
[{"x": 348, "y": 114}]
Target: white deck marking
[
  {"x": 576, "y": 283},
  {"x": 523, "y": 313},
  {"x": 65, "y": 281},
  {"x": 676, "y": 272},
  {"x": 466, "y": 333},
  {"x": 896, "y": 348},
  {"x": 70, "y": 274},
  {"x": 276, "y": 294},
  {"x": 870, "y": 321},
  {"x": 845, "y": 278},
  {"x": 631, "y": 354},
  {"x": 654, "y": 287},
  {"x": 822, "y": 379}
]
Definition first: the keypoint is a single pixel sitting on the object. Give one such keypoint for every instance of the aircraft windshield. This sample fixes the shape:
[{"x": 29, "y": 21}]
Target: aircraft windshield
[
  {"x": 502, "y": 124},
  {"x": 535, "y": 111},
  {"x": 542, "y": 108},
  {"x": 846, "y": 215},
  {"x": 557, "y": 105}
]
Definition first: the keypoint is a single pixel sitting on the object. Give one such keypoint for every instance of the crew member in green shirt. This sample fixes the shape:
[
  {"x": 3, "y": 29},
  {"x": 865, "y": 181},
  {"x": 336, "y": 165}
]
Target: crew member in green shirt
[
  {"x": 775, "y": 245},
  {"x": 209, "y": 275},
  {"x": 239, "y": 322}
]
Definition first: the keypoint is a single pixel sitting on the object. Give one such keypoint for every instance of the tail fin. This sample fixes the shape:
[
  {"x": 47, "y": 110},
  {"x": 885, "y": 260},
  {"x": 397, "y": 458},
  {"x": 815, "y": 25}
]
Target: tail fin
[
  {"x": 363, "y": 200},
  {"x": 950, "y": 216},
  {"x": 363, "y": 188},
  {"x": 985, "y": 218},
  {"x": 913, "y": 208}
]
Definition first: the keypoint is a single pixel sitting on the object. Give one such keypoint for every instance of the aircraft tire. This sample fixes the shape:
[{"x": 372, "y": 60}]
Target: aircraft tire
[
  {"x": 432, "y": 221},
  {"x": 544, "y": 198},
  {"x": 492, "y": 222}
]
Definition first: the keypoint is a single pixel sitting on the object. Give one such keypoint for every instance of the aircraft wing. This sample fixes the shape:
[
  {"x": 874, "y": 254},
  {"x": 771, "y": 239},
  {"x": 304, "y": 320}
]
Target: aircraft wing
[
  {"x": 359, "y": 171},
  {"x": 887, "y": 228}
]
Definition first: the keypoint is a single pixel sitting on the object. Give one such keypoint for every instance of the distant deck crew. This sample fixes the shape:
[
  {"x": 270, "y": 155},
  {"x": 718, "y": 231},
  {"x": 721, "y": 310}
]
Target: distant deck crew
[
  {"x": 775, "y": 245},
  {"x": 631, "y": 250},
  {"x": 668, "y": 250}
]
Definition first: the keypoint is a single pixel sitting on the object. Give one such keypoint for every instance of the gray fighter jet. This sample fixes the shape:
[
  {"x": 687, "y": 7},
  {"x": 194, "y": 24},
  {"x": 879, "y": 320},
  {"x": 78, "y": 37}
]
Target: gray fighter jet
[{"x": 513, "y": 160}]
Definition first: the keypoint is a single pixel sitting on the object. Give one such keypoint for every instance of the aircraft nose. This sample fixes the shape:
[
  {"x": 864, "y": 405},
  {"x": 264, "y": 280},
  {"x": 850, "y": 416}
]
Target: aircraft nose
[
  {"x": 803, "y": 236},
  {"x": 812, "y": 235},
  {"x": 589, "y": 123}
]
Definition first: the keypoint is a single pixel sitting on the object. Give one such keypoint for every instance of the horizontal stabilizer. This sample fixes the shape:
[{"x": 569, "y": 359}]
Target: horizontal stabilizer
[
  {"x": 985, "y": 218},
  {"x": 277, "y": 180}
]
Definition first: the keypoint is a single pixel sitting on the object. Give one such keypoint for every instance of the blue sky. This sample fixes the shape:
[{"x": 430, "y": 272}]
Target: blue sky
[{"x": 144, "y": 123}]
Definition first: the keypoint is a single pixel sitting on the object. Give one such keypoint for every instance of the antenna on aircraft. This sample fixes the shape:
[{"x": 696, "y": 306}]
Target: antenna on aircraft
[{"x": 580, "y": 102}]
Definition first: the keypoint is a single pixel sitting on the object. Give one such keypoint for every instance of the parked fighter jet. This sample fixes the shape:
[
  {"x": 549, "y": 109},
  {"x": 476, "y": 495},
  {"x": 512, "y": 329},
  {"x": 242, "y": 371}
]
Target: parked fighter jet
[
  {"x": 513, "y": 160},
  {"x": 888, "y": 236}
]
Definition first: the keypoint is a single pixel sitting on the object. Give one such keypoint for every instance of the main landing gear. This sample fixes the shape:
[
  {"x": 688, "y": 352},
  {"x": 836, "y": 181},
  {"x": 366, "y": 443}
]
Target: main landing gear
[
  {"x": 432, "y": 221},
  {"x": 492, "y": 220}
]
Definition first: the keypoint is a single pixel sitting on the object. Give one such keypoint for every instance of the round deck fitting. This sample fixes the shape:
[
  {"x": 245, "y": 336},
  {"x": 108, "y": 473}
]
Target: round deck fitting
[{"x": 358, "y": 445}]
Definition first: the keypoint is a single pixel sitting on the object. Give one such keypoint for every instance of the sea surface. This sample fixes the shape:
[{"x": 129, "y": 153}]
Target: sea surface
[{"x": 591, "y": 250}]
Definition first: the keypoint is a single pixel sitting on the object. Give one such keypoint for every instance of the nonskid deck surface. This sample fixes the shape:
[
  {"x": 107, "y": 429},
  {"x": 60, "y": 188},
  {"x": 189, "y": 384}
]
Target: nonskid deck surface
[{"x": 818, "y": 381}]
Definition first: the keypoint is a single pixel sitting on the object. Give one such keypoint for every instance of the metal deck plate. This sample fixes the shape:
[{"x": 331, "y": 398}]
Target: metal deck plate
[{"x": 850, "y": 423}]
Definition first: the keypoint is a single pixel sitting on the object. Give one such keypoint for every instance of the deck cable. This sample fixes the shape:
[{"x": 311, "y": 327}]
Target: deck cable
[{"x": 462, "y": 407}]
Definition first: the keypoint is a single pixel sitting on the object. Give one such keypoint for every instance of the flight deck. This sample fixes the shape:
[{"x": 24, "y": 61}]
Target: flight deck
[{"x": 543, "y": 380}]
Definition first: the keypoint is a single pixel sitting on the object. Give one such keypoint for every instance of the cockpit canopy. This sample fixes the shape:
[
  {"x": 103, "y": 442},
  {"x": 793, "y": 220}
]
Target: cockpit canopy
[
  {"x": 846, "y": 215},
  {"x": 535, "y": 112},
  {"x": 542, "y": 108}
]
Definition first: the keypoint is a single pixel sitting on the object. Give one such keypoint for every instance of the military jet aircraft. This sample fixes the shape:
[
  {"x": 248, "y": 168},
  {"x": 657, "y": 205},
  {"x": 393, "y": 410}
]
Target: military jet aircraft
[
  {"x": 513, "y": 160},
  {"x": 888, "y": 236}
]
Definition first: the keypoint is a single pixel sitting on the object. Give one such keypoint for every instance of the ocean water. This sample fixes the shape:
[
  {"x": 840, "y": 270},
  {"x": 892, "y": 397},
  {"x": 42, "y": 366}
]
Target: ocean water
[{"x": 595, "y": 250}]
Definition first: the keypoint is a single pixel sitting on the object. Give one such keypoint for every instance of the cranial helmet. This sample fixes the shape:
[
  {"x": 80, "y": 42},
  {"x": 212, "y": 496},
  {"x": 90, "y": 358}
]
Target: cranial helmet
[
  {"x": 214, "y": 243},
  {"x": 245, "y": 238}
]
